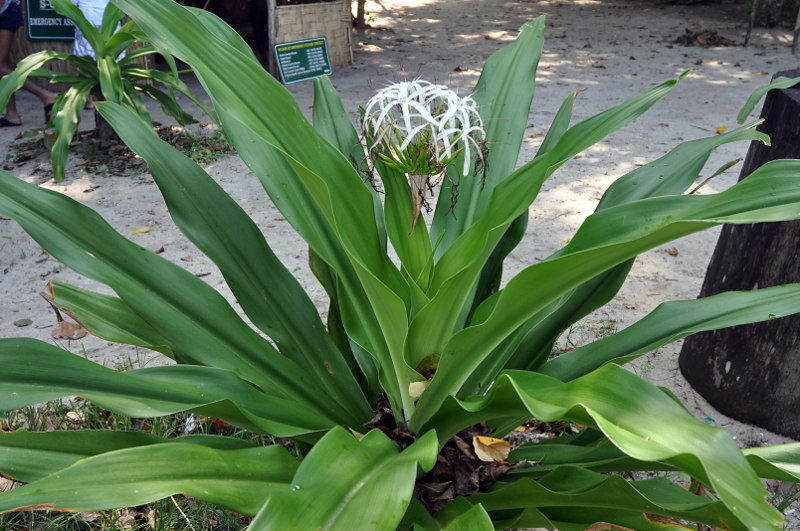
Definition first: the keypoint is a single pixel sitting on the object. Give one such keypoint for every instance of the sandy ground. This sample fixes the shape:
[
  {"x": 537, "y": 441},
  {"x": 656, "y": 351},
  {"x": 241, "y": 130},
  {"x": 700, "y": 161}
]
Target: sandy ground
[{"x": 614, "y": 49}]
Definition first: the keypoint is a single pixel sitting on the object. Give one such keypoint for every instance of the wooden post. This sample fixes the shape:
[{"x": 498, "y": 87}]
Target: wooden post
[
  {"x": 272, "y": 36},
  {"x": 751, "y": 372}
]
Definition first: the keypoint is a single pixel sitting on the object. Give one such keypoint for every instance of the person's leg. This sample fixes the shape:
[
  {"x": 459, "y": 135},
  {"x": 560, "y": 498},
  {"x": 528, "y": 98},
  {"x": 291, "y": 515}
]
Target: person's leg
[
  {"x": 47, "y": 97},
  {"x": 6, "y": 36}
]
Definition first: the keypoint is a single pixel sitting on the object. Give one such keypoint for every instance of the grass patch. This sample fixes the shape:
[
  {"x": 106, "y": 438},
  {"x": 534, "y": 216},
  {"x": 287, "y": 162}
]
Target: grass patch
[{"x": 174, "y": 513}]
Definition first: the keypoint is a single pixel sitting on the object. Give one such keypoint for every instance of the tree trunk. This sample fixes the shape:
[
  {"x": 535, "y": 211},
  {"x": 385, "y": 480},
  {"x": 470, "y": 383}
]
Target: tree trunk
[
  {"x": 360, "y": 21},
  {"x": 103, "y": 132},
  {"x": 751, "y": 372}
]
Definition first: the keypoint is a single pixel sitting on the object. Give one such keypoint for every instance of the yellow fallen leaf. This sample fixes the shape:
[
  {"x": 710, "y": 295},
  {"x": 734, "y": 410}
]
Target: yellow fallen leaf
[
  {"x": 142, "y": 230},
  {"x": 415, "y": 389},
  {"x": 489, "y": 449},
  {"x": 721, "y": 129}
]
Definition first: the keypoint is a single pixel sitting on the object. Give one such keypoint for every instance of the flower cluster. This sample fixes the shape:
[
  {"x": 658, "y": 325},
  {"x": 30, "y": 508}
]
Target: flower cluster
[{"x": 419, "y": 128}]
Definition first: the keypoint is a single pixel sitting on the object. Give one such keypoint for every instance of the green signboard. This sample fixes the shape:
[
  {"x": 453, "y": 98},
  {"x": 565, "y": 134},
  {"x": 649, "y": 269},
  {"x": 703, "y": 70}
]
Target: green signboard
[
  {"x": 301, "y": 60},
  {"x": 45, "y": 24}
]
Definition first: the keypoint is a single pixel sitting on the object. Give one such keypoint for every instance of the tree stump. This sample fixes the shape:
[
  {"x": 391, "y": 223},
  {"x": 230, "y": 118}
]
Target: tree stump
[{"x": 751, "y": 372}]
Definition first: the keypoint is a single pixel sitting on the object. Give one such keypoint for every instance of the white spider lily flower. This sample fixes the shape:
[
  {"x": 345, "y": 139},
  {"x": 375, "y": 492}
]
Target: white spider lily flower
[{"x": 419, "y": 128}]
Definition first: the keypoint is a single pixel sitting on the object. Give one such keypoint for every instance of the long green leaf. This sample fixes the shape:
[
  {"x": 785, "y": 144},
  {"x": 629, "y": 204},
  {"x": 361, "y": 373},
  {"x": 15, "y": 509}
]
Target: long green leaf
[
  {"x": 26, "y": 456},
  {"x": 346, "y": 483},
  {"x": 570, "y": 486},
  {"x": 71, "y": 11},
  {"x": 112, "y": 15},
  {"x": 239, "y": 480},
  {"x": 66, "y": 115},
  {"x": 35, "y": 372},
  {"x": 29, "y": 456},
  {"x": 110, "y": 79},
  {"x": 109, "y": 317},
  {"x": 671, "y": 321},
  {"x": 637, "y": 417},
  {"x": 779, "y": 83},
  {"x": 13, "y": 82},
  {"x": 503, "y": 95}
]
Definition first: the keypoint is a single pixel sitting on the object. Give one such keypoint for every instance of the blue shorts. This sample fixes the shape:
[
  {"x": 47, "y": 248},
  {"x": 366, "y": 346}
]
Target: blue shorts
[{"x": 11, "y": 19}]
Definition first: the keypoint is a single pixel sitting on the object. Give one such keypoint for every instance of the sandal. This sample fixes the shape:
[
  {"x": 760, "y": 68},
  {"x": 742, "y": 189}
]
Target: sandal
[{"x": 8, "y": 123}]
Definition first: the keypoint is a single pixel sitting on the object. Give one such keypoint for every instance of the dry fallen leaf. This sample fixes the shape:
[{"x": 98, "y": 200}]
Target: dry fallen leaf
[
  {"x": 489, "y": 449},
  {"x": 5, "y": 484},
  {"x": 67, "y": 330},
  {"x": 721, "y": 129},
  {"x": 142, "y": 230},
  {"x": 415, "y": 389},
  {"x": 186, "y": 258},
  {"x": 605, "y": 526},
  {"x": 672, "y": 252},
  {"x": 76, "y": 416}
]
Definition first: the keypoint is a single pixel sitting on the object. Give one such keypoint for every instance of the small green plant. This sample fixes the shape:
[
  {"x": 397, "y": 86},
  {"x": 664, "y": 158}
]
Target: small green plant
[
  {"x": 399, "y": 402},
  {"x": 107, "y": 77}
]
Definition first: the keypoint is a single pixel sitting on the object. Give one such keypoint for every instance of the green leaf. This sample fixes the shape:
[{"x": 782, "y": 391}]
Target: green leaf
[
  {"x": 110, "y": 79},
  {"x": 26, "y": 456},
  {"x": 674, "y": 320},
  {"x": 71, "y": 11},
  {"x": 779, "y": 83},
  {"x": 345, "y": 483},
  {"x": 35, "y": 372},
  {"x": 571, "y": 486},
  {"x": 503, "y": 95},
  {"x": 781, "y": 462},
  {"x": 65, "y": 115},
  {"x": 637, "y": 417},
  {"x": 109, "y": 317},
  {"x": 118, "y": 43},
  {"x": 168, "y": 104},
  {"x": 169, "y": 80},
  {"x": 12, "y": 82},
  {"x": 238, "y": 480},
  {"x": 461, "y": 515},
  {"x": 332, "y": 122},
  {"x": 112, "y": 15},
  {"x": 220, "y": 29},
  {"x": 29, "y": 456}
]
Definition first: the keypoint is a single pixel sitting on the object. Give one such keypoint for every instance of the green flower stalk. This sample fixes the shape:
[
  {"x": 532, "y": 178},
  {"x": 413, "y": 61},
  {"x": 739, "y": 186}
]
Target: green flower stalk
[{"x": 420, "y": 128}]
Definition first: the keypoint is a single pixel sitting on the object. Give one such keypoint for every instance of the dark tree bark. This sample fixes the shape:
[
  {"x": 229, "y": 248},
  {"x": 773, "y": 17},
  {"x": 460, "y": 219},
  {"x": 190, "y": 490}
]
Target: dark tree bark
[
  {"x": 103, "y": 131},
  {"x": 752, "y": 372},
  {"x": 360, "y": 20}
]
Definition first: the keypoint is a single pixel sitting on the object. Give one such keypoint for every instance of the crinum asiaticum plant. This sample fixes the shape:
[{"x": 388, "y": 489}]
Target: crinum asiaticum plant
[
  {"x": 412, "y": 354},
  {"x": 110, "y": 75}
]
